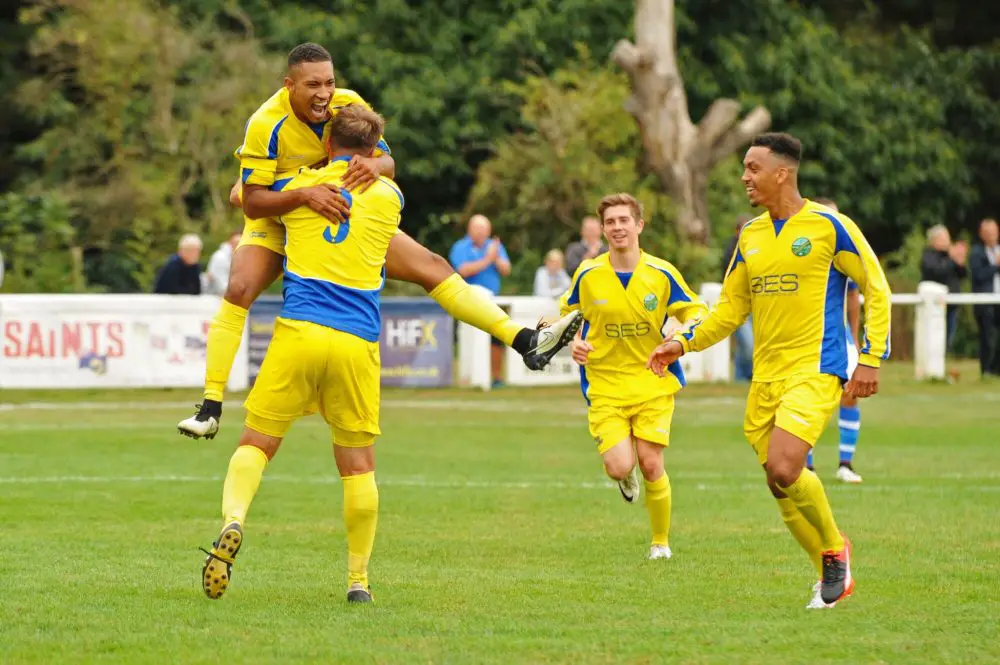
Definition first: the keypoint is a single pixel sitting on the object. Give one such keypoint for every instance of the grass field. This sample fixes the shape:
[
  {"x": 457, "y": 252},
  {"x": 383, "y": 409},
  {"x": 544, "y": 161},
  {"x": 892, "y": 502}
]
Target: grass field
[{"x": 499, "y": 539}]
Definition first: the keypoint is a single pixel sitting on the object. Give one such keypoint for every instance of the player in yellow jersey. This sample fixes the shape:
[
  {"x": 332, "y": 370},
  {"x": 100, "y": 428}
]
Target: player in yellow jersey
[
  {"x": 626, "y": 297},
  {"x": 325, "y": 349},
  {"x": 790, "y": 272},
  {"x": 286, "y": 134}
]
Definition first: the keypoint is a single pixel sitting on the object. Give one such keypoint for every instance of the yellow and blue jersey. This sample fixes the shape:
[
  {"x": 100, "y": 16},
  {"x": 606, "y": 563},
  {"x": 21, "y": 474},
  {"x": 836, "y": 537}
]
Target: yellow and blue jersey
[
  {"x": 792, "y": 277},
  {"x": 334, "y": 272},
  {"x": 277, "y": 144},
  {"x": 624, "y": 314}
]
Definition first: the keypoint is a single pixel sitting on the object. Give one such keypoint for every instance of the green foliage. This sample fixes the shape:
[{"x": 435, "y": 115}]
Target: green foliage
[
  {"x": 38, "y": 244},
  {"x": 579, "y": 145},
  {"x": 138, "y": 113}
]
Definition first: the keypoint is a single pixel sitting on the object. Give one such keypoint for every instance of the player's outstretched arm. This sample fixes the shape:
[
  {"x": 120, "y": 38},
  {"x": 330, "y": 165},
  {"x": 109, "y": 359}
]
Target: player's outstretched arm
[{"x": 325, "y": 199}]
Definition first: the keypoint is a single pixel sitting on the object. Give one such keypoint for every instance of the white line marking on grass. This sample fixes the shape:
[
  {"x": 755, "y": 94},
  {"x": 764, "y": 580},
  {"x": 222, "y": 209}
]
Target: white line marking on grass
[{"x": 459, "y": 483}]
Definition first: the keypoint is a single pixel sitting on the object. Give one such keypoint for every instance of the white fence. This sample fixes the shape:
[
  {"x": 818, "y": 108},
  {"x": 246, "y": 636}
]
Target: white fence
[
  {"x": 107, "y": 341},
  {"x": 931, "y": 301},
  {"x": 122, "y": 341}
]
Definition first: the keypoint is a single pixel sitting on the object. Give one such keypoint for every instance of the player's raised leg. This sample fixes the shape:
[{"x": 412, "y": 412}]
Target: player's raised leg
[
  {"x": 786, "y": 472},
  {"x": 658, "y": 495},
  {"x": 254, "y": 268},
  {"x": 409, "y": 261},
  {"x": 246, "y": 467}
]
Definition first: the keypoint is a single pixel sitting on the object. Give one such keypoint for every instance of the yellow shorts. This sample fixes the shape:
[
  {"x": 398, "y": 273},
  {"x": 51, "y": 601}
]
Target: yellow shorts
[
  {"x": 265, "y": 233},
  {"x": 800, "y": 405},
  {"x": 309, "y": 364},
  {"x": 610, "y": 424}
]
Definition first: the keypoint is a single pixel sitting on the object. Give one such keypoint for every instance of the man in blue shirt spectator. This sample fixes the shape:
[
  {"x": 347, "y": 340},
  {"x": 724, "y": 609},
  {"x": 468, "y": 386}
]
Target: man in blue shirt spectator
[{"x": 483, "y": 261}]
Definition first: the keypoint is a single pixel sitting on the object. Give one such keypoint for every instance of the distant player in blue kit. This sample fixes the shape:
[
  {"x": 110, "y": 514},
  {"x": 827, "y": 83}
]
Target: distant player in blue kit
[{"x": 850, "y": 412}]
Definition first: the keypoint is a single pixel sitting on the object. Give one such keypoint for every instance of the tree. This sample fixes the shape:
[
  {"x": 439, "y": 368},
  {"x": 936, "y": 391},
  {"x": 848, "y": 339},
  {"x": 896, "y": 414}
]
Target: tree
[{"x": 681, "y": 153}]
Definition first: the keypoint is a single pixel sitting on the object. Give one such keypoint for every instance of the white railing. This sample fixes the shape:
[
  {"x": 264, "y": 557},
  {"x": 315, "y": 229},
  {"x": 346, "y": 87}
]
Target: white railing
[{"x": 930, "y": 336}]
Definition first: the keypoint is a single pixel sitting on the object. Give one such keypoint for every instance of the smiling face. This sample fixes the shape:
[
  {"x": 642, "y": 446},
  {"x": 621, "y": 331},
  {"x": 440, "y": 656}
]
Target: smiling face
[
  {"x": 764, "y": 173},
  {"x": 621, "y": 228},
  {"x": 310, "y": 88}
]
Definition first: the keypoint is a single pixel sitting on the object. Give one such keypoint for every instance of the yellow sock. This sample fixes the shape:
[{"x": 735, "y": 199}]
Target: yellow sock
[
  {"x": 469, "y": 305},
  {"x": 804, "y": 532},
  {"x": 360, "y": 518},
  {"x": 658, "y": 504},
  {"x": 224, "y": 337},
  {"x": 246, "y": 467},
  {"x": 809, "y": 497}
]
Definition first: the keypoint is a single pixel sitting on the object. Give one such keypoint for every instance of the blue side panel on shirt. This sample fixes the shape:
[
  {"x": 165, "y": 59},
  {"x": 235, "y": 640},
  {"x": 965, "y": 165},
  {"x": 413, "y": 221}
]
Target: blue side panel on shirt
[
  {"x": 352, "y": 311},
  {"x": 272, "y": 145},
  {"x": 574, "y": 297},
  {"x": 383, "y": 146},
  {"x": 676, "y": 370},
  {"x": 844, "y": 241},
  {"x": 402, "y": 202},
  {"x": 246, "y": 174},
  {"x": 584, "y": 383},
  {"x": 833, "y": 353}
]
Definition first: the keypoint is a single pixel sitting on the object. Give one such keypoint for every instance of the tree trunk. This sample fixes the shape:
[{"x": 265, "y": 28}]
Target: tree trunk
[{"x": 680, "y": 153}]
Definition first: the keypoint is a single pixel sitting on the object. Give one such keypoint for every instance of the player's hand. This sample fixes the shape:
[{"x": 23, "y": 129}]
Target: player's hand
[
  {"x": 234, "y": 194},
  {"x": 361, "y": 173},
  {"x": 863, "y": 383},
  {"x": 328, "y": 201},
  {"x": 664, "y": 355},
  {"x": 580, "y": 349}
]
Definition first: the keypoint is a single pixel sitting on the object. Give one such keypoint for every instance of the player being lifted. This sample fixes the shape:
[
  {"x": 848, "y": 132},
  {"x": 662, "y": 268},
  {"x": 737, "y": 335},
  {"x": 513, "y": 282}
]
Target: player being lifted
[
  {"x": 626, "y": 297},
  {"x": 790, "y": 271},
  {"x": 285, "y": 134},
  {"x": 325, "y": 349},
  {"x": 849, "y": 422}
]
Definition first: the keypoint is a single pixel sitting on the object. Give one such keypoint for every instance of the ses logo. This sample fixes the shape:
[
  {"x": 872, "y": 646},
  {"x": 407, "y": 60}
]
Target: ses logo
[
  {"x": 409, "y": 333},
  {"x": 770, "y": 285}
]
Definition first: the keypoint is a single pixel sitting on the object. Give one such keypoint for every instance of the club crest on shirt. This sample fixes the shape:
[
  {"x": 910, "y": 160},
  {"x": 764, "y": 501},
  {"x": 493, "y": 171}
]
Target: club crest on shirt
[
  {"x": 801, "y": 247},
  {"x": 650, "y": 302}
]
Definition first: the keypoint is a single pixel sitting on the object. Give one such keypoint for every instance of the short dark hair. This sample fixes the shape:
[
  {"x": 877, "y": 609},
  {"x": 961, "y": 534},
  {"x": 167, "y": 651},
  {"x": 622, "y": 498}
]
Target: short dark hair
[
  {"x": 308, "y": 52},
  {"x": 780, "y": 143},
  {"x": 356, "y": 128}
]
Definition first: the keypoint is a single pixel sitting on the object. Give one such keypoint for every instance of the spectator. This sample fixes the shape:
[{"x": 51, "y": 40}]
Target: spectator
[
  {"x": 944, "y": 262},
  {"x": 551, "y": 281},
  {"x": 587, "y": 247},
  {"x": 181, "y": 274},
  {"x": 216, "y": 276},
  {"x": 984, "y": 263},
  {"x": 483, "y": 261},
  {"x": 743, "y": 352}
]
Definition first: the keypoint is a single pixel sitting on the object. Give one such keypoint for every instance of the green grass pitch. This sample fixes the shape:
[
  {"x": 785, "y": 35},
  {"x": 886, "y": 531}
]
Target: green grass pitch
[{"x": 499, "y": 540}]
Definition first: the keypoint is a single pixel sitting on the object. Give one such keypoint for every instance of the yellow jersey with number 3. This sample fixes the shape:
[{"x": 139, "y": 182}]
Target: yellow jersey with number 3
[
  {"x": 334, "y": 272},
  {"x": 792, "y": 277},
  {"x": 623, "y": 318},
  {"x": 277, "y": 144}
]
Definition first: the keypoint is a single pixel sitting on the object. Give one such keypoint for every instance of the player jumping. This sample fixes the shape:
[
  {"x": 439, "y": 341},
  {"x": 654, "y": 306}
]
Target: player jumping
[
  {"x": 284, "y": 135},
  {"x": 790, "y": 271},
  {"x": 325, "y": 349},
  {"x": 849, "y": 422},
  {"x": 626, "y": 297}
]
